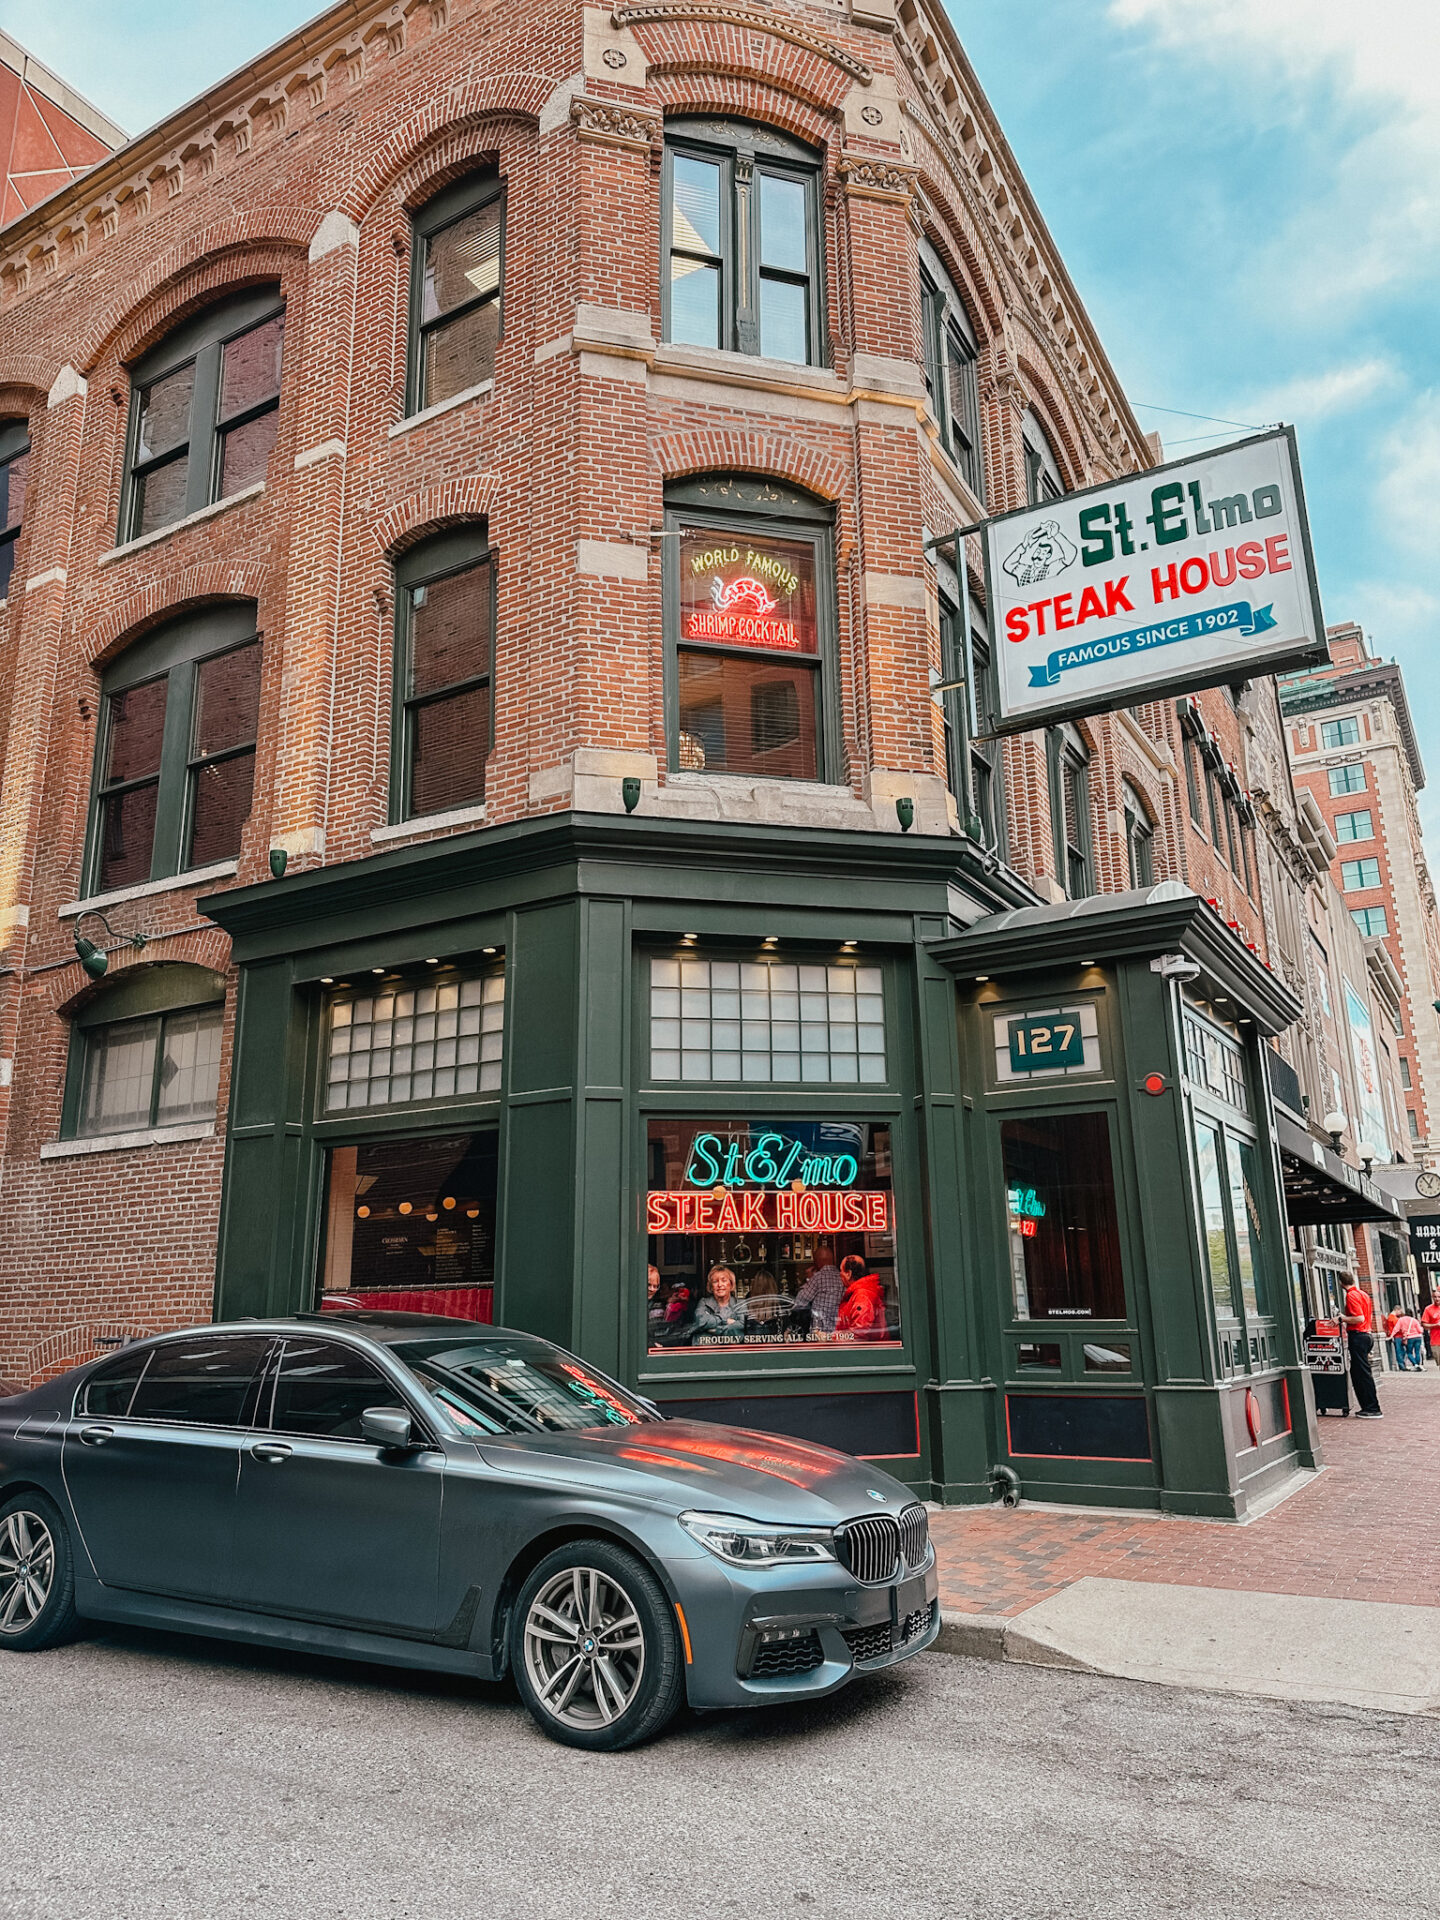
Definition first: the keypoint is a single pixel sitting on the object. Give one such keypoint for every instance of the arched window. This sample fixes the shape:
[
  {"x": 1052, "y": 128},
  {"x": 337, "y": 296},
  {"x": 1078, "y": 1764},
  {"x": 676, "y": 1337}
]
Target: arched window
[
  {"x": 750, "y": 631},
  {"x": 444, "y": 659},
  {"x": 1069, "y": 760},
  {"x": 1139, "y": 839},
  {"x": 145, "y": 1052},
  {"x": 175, "y": 749},
  {"x": 456, "y": 276},
  {"x": 203, "y": 411},
  {"x": 951, "y": 377},
  {"x": 1042, "y": 470},
  {"x": 741, "y": 240},
  {"x": 14, "y": 470}
]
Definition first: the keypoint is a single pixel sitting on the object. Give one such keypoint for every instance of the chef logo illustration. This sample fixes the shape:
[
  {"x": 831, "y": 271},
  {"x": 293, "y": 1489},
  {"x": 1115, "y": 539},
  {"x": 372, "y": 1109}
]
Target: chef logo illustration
[{"x": 1044, "y": 551}]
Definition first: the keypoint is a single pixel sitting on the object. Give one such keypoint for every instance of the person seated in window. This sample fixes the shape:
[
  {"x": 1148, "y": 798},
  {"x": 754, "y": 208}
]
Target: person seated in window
[
  {"x": 656, "y": 1302},
  {"x": 765, "y": 1300},
  {"x": 862, "y": 1314},
  {"x": 721, "y": 1311},
  {"x": 822, "y": 1290}
]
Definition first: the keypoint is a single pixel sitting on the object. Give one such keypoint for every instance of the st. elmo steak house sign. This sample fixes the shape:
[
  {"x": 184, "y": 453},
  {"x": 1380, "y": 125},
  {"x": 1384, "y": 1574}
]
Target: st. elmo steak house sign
[{"x": 1189, "y": 575}]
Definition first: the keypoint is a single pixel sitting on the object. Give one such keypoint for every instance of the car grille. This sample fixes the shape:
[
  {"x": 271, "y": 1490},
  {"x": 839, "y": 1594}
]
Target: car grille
[
  {"x": 789, "y": 1656},
  {"x": 869, "y": 1643},
  {"x": 915, "y": 1536},
  {"x": 870, "y": 1548}
]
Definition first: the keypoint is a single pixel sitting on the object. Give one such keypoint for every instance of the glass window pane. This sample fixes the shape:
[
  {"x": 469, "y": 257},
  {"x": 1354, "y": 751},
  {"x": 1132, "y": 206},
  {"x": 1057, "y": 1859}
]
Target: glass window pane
[
  {"x": 201, "y": 1382},
  {"x": 410, "y": 1226},
  {"x": 784, "y": 320},
  {"x": 220, "y": 798},
  {"x": 250, "y": 367},
  {"x": 783, "y": 224},
  {"x": 1064, "y": 1229},
  {"x": 695, "y": 222},
  {"x": 747, "y": 716},
  {"x": 694, "y": 303},
  {"x": 460, "y": 353},
  {"x": 245, "y": 451},
  {"x": 108, "y": 1393},
  {"x": 13, "y": 476},
  {"x": 1245, "y": 1212},
  {"x": 1112, "y": 1357},
  {"x": 323, "y": 1390},
  {"x": 127, "y": 836},
  {"x": 227, "y": 700},
  {"x": 450, "y": 630},
  {"x": 135, "y": 730},
  {"x": 189, "y": 1066},
  {"x": 7, "y": 567},
  {"x": 1212, "y": 1201},
  {"x": 757, "y": 593},
  {"x": 160, "y": 496},
  {"x": 164, "y": 414},
  {"x": 119, "y": 1077},
  {"x": 450, "y": 738},
  {"x": 462, "y": 262}
]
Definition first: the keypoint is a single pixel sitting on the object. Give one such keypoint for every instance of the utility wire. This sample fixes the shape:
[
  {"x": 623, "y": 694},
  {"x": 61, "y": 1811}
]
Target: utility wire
[{"x": 1181, "y": 414}]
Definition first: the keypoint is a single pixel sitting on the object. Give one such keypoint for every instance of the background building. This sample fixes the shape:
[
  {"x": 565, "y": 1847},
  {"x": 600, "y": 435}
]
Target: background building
[
  {"x": 49, "y": 134},
  {"x": 473, "y": 614}
]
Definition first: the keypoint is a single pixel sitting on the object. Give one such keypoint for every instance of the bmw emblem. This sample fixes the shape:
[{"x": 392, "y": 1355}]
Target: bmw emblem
[{"x": 874, "y": 1493}]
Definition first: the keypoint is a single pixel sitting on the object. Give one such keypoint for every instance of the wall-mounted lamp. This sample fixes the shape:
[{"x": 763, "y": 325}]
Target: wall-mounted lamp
[
  {"x": 630, "y": 792},
  {"x": 96, "y": 960},
  {"x": 1334, "y": 1124},
  {"x": 905, "y": 812},
  {"x": 1368, "y": 1154},
  {"x": 279, "y": 860}
]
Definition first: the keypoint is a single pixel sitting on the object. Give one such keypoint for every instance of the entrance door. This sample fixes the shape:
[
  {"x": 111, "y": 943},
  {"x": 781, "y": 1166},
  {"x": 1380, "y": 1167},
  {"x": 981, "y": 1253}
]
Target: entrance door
[
  {"x": 329, "y": 1527},
  {"x": 151, "y": 1466}
]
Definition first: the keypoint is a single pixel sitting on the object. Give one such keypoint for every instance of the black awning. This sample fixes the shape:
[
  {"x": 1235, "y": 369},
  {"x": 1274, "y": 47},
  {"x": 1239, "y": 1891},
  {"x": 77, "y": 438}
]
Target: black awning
[{"x": 1321, "y": 1187}]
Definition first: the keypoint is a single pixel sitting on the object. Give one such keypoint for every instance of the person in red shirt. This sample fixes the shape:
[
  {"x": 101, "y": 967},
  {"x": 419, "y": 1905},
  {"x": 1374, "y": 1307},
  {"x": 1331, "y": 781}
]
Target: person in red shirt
[
  {"x": 1409, "y": 1338},
  {"x": 1359, "y": 1317},
  {"x": 1430, "y": 1320}
]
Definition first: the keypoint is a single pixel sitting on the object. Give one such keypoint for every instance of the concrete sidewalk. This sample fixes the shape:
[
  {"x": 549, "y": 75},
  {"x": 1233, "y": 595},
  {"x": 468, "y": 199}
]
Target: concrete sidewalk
[{"x": 1334, "y": 1595}]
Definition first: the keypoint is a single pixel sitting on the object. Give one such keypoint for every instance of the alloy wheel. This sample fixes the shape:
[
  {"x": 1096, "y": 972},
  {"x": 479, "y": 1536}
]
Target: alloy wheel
[
  {"x": 27, "y": 1569},
  {"x": 584, "y": 1648}
]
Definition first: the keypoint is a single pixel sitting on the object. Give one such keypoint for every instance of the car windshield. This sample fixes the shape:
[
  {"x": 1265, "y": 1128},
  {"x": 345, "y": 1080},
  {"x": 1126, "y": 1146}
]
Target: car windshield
[{"x": 499, "y": 1388}]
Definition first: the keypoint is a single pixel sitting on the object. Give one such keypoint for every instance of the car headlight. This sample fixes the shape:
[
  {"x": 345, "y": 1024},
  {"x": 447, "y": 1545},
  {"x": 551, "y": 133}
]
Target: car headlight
[{"x": 753, "y": 1543}]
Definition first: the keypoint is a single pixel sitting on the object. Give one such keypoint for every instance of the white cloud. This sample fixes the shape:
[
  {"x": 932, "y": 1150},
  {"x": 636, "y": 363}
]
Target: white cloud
[
  {"x": 1409, "y": 458},
  {"x": 1313, "y": 397}
]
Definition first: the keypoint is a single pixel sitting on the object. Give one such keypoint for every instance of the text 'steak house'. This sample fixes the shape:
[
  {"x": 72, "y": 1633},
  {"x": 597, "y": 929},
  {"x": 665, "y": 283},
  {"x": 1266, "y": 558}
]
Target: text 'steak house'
[{"x": 480, "y": 464}]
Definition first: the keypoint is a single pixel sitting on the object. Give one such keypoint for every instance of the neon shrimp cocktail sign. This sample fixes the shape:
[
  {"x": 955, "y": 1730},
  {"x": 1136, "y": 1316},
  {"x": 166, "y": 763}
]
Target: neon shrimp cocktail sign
[{"x": 749, "y": 590}]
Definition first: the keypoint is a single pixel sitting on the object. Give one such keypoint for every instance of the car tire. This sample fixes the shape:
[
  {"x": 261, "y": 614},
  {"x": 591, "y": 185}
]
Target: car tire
[
  {"x": 37, "y": 1575},
  {"x": 594, "y": 1648}
]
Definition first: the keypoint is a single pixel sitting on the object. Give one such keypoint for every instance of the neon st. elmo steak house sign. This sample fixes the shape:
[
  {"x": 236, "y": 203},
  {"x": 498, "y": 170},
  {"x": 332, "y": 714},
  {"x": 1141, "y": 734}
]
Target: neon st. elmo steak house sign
[
  {"x": 778, "y": 1186},
  {"x": 1190, "y": 575}
]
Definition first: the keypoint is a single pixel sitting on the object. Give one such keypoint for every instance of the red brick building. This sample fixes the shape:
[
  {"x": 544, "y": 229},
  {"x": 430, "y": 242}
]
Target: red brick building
[{"x": 480, "y": 467}]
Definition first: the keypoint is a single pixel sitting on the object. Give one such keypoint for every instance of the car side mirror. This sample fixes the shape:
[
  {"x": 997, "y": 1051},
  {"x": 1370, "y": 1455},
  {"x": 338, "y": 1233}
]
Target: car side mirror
[{"x": 386, "y": 1426}]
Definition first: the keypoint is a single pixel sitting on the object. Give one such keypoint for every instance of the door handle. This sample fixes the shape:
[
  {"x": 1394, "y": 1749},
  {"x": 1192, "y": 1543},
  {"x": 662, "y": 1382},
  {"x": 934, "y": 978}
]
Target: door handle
[
  {"x": 273, "y": 1451},
  {"x": 96, "y": 1436}
]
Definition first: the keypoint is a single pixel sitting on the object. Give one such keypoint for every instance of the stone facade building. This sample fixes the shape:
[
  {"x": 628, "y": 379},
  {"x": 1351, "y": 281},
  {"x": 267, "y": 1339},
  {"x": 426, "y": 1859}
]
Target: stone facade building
[{"x": 475, "y": 615}]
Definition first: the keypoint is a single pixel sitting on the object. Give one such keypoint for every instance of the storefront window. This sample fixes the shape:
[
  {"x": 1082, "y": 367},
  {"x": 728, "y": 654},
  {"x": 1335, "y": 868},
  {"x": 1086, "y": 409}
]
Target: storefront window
[
  {"x": 432, "y": 1042},
  {"x": 1245, "y": 1212},
  {"x": 766, "y": 1020},
  {"x": 410, "y": 1226},
  {"x": 748, "y": 655},
  {"x": 1212, "y": 1201},
  {"x": 770, "y": 1233},
  {"x": 1064, "y": 1231},
  {"x": 1215, "y": 1062}
]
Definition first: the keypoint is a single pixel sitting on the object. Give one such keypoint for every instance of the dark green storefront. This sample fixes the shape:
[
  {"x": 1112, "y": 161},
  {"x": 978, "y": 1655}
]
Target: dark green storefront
[{"x": 505, "y": 1072}]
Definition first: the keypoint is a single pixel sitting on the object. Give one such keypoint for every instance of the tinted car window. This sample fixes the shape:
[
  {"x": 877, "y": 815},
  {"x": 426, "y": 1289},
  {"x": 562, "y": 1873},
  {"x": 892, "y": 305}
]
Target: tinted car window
[
  {"x": 203, "y": 1382},
  {"x": 525, "y": 1385},
  {"x": 322, "y": 1389},
  {"x": 109, "y": 1390}
]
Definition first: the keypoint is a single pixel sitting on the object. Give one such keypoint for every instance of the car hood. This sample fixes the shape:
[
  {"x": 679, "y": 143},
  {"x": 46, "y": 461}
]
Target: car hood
[{"x": 692, "y": 1463}]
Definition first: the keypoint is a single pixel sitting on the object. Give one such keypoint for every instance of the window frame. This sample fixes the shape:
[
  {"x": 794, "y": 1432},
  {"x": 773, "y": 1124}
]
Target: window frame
[
  {"x": 1139, "y": 837},
  {"x": 1344, "y": 772},
  {"x": 443, "y": 210},
  {"x": 1044, "y": 480},
  {"x": 761, "y": 509},
  {"x": 144, "y": 992},
  {"x": 1354, "y": 877},
  {"x": 445, "y": 557},
  {"x": 173, "y": 652},
  {"x": 1069, "y": 762},
  {"x": 946, "y": 323},
  {"x": 14, "y": 445},
  {"x": 1366, "y": 814},
  {"x": 744, "y": 151},
  {"x": 1338, "y": 727},
  {"x": 1361, "y": 916},
  {"x": 966, "y": 665},
  {"x": 201, "y": 340}
]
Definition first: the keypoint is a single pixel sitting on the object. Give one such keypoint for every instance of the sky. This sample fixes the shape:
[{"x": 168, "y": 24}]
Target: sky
[{"x": 1245, "y": 192}]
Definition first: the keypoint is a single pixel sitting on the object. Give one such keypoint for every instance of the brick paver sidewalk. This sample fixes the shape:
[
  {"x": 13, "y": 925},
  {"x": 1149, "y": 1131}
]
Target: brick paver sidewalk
[{"x": 1368, "y": 1528}]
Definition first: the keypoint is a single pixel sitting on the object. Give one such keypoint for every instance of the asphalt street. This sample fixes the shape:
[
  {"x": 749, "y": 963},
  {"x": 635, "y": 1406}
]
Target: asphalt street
[{"x": 158, "y": 1779}]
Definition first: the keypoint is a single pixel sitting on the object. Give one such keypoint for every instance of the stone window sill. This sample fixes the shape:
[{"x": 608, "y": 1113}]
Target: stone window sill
[
  {"x": 441, "y": 406},
  {"x": 684, "y": 777},
  {"x": 751, "y": 369},
  {"x": 429, "y": 823},
  {"x": 174, "y": 883},
  {"x": 178, "y": 526},
  {"x": 120, "y": 1142}
]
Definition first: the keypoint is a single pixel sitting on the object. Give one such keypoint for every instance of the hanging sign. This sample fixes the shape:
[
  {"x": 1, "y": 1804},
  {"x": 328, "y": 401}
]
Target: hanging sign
[
  {"x": 1191, "y": 575},
  {"x": 1425, "y": 1243}
]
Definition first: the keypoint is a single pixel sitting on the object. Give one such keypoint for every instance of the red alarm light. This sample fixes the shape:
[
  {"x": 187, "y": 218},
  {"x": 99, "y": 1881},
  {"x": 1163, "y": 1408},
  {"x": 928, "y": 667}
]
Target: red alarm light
[{"x": 1153, "y": 1083}]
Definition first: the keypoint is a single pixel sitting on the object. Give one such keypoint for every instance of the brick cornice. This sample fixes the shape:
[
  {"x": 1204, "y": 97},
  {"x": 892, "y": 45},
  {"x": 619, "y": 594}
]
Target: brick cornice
[
  {"x": 170, "y": 594},
  {"x": 778, "y": 26},
  {"x": 420, "y": 514}
]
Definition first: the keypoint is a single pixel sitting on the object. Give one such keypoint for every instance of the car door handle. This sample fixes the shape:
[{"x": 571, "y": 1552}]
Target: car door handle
[
  {"x": 96, "y": 1436},
  {"x": 273, "y": 1451}
]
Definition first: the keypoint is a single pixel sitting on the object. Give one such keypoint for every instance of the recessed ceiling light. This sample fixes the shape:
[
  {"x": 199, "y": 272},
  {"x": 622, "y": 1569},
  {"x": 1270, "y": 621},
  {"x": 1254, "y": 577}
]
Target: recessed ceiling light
[
  {"x": 488, "y": 949},
  {"x": 377, "y": 970},
  {"x": 327, "y": 979},
  {"x": 432, "y": 963}
]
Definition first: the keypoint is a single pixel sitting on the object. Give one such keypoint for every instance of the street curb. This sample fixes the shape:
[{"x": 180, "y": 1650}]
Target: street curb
[{"x": 1000, "y": 1636}]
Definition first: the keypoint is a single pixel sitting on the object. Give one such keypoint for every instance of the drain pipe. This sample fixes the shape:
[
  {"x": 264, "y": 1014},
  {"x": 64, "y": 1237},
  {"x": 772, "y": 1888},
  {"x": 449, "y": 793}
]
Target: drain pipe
[{"x": 1006, "y": 1483}]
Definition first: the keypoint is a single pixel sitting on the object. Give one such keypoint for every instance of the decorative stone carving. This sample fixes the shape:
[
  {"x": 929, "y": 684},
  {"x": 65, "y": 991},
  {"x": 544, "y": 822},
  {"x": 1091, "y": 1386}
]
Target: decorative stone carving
[
  {"x": 614, "y": 124},
  {"x": 877, "y": 179},
  {"x": 755, "y": 19}
]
